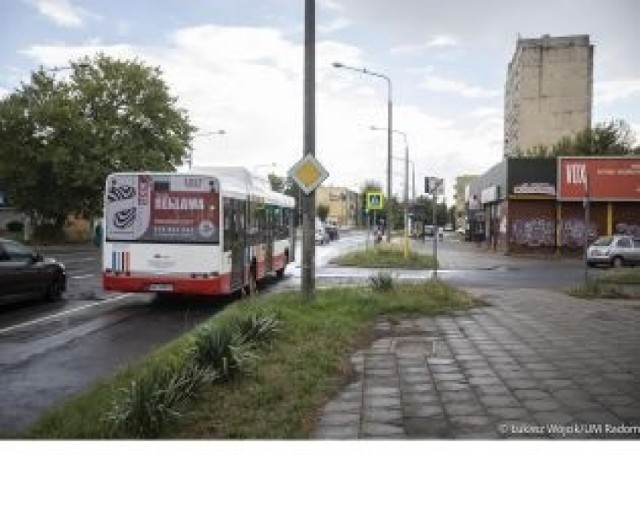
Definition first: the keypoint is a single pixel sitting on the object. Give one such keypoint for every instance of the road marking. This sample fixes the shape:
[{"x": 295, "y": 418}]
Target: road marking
[
  {"x": 11, "y": 354},
  {"x": 85, "y": 276},
  {"x": 64, "y": 313}
]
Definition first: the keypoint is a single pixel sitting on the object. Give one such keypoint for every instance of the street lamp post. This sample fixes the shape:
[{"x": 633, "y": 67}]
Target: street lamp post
[
  {"x": 585, "y": 245},
  {"x": 406, "y": 187},
  {"x": 339, "y": 65},
  {"x": 59, "y": 68},
  {"x": 220, "y": 132}
]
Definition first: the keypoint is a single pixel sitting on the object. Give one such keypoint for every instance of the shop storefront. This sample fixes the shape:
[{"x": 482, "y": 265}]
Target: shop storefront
[
  {"x": 609, "y": 186},
  {"x": 543, "y": 208},
  {"x": 531, "y": 219}
]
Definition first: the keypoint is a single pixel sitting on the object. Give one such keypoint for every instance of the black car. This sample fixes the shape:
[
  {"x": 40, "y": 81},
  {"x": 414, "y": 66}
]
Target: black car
[{"x": 26, "y": 274}]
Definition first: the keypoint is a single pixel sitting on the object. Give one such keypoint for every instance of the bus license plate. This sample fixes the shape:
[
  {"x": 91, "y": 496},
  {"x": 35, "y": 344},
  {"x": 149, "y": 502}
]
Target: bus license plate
[{"x": 161, "y": 287}]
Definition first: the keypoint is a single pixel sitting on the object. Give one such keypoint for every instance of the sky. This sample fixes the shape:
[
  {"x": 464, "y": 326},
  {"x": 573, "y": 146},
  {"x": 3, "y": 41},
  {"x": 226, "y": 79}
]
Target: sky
[{"x": 237, "y": 66}]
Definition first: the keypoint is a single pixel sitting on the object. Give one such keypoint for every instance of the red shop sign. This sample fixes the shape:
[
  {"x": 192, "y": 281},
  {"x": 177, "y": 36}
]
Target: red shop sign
[{"x": 608, "y": 178}]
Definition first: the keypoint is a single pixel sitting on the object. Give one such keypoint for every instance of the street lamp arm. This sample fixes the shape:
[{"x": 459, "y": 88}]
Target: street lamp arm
[
  {"x": 364, "y": 70},
  {"x": 210, "y": 133},
  {"x": 395, "y": 131}
]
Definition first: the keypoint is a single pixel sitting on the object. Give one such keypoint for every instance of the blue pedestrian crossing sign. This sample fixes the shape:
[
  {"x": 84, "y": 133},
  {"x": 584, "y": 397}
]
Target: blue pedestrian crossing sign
[{"x": 374, "y": 200}]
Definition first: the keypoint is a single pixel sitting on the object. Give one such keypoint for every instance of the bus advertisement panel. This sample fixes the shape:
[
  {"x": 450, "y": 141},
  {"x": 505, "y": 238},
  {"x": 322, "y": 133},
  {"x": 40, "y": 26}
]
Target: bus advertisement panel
[{"x": 162, "y": 209}]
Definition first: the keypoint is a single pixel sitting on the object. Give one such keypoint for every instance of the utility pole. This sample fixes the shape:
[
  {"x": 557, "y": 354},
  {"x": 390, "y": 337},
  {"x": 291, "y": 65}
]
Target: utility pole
[
  {"x": 435, "y": 232},
  {"x": 586, "y": 227},
  {"x": 309, "y": 147}
]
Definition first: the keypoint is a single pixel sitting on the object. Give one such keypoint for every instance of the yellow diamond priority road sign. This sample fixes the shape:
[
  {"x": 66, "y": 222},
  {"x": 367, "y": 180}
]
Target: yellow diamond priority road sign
[{"x": 308, "y": 173}]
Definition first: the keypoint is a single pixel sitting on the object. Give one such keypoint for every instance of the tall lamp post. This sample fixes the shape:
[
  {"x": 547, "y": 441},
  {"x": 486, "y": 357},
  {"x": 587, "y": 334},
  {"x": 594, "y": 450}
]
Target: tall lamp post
[
  {"x": 363, "y": 70},
  {"x": 406, "y": 187},
  {"x": 220, "y": 132}
]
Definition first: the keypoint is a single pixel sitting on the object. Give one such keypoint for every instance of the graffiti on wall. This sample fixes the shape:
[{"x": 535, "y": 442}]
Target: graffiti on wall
[
  {"x": 536, "y": 232},
  {"x": 622, "y": 228},
  {"x": 572, "y": 232}
]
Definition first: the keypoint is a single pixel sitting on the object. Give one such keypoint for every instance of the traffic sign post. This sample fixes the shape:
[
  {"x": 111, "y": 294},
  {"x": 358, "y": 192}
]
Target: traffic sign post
[
  {"x": 435, "y": 187},
  {"x": 375, "y": 201},
  {"x": 308, "y": 173}
]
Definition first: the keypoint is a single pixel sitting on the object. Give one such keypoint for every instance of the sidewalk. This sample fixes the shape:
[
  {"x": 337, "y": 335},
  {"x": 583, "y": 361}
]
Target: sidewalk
[
  {"x": 533, "y": 364},
  {"x": 454, "y": 254}
]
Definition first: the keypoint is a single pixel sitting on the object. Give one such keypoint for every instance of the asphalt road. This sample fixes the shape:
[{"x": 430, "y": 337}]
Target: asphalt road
[{"x": 50, "y": 351}]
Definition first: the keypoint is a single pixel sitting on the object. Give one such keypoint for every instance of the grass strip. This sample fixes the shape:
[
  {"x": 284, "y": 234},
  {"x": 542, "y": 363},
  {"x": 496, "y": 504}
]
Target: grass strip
[
  {"x": 621, "y": 276},
  {"x": 288, "y": 383},
  {"x": 386, "y": 256}
]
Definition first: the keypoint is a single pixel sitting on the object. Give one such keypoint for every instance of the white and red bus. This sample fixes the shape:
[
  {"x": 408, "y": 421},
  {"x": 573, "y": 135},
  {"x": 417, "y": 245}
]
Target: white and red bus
[{"x": 210, "y": 231}]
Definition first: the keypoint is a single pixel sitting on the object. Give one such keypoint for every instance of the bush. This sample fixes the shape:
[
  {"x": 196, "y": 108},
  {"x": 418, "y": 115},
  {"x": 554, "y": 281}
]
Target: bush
[
  {"x": 228, "y": 348},
  {"x": 256, "y": 328},
  {"x": 48, "y": 233},
  {"x": 15, "y": 226},
  {"x": 212, "y": 348},
  {"x": 142, "y": 409},
  {"x": 382, "y": 282}
]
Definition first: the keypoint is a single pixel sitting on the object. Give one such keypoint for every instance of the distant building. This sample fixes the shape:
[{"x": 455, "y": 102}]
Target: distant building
[
  {"x": 344, "y": 204},
  {"x": 460, "y": 201},
  {"x": 548, "y": 92}
]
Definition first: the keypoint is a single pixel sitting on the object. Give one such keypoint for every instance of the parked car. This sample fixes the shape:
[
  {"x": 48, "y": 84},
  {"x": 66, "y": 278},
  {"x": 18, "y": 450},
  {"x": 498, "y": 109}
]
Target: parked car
[
  {"x": 429, "y": 230},
  {"x": 321, "y": 234},
  {"x": 26, "y": 274},
  {"x": 616, "y": 250}
]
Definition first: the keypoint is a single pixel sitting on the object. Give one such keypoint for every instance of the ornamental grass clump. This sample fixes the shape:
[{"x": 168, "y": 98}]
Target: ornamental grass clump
[
  {"x": 381, "y": 282},
  {"x": 231, "y": 347},
  {"x": 256, "y": 328},
  {"x": 213, "y": 348},
  {"x": 142, "y": 409}
]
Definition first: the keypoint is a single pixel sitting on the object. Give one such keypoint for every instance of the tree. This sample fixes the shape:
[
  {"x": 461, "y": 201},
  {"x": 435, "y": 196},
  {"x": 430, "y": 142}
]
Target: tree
[
  {"x": 606, "y": 138},
  {"x": 322, "y": 211},
  {"x": 60, "y": 139},
  {"x": 276, "y": 182}
]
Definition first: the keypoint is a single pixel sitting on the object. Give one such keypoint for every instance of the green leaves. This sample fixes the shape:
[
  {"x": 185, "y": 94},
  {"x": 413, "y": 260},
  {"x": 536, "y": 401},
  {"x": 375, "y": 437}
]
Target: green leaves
[
  {"x": 606, "y": 138},
  {"x": 59, "y": 139}
]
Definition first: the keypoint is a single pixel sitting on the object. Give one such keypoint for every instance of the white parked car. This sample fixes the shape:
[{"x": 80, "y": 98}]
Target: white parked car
[{"x": 616, "y": 250}]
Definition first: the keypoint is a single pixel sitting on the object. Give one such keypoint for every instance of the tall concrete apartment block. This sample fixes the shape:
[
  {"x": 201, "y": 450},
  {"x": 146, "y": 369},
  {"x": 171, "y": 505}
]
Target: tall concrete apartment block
[{"x": 549, "y": 91}]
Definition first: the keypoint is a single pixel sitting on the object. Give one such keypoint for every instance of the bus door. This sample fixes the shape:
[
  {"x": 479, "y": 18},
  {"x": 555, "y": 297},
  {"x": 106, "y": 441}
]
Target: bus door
[
  {"x": 235, "y": 239},
  {"x": 268, "y": 261}
]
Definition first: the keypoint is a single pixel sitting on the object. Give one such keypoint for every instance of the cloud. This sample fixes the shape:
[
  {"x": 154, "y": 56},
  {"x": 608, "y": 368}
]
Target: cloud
[
  {"x": 439, "y": 41},
  {"x": 486, "y": 112},
  {"x": 52, "y": 56},
  {"x": 437, "y": 84},
  {"x": 62, "y": 12},
  {"x": 607, "y": 92},
  {"x": 334, "y": 25},
  {"x": 331, "y": 5},
  {"x": 254, "y": 92}
]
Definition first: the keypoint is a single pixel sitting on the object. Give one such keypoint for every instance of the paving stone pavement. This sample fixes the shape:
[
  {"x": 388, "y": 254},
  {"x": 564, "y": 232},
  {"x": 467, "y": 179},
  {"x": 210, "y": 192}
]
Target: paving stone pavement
[{"x": 531, "y": 364}]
